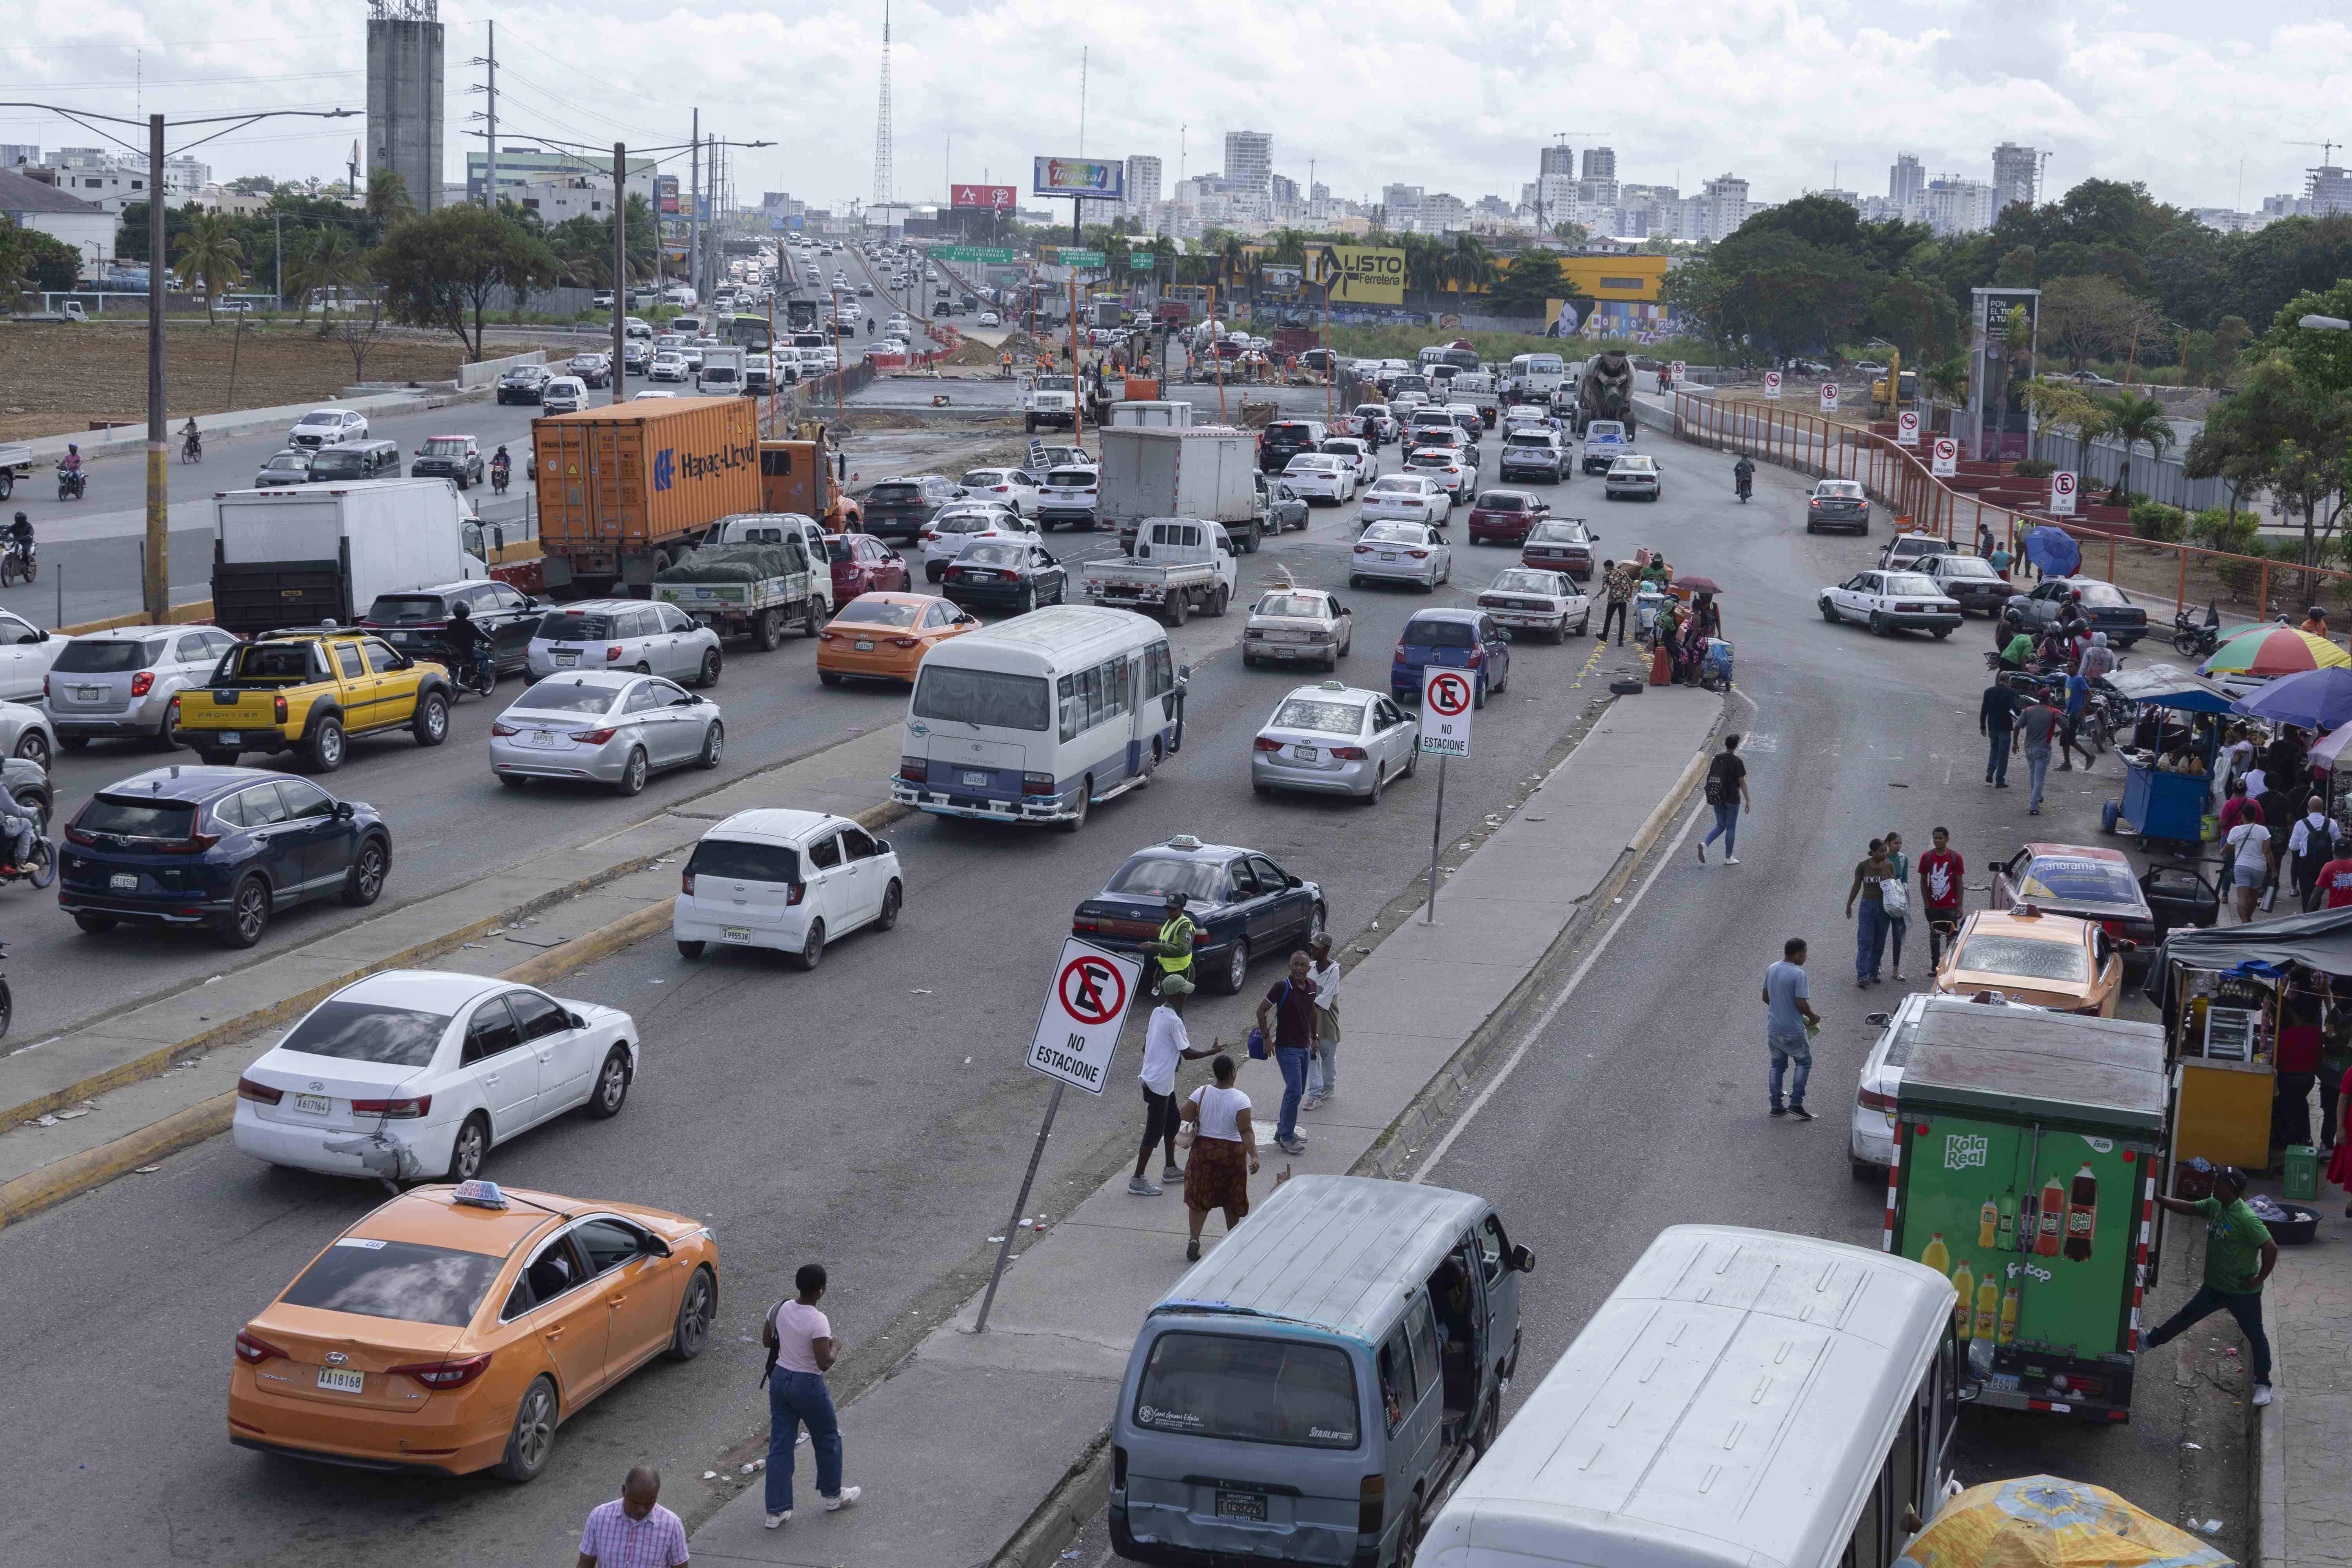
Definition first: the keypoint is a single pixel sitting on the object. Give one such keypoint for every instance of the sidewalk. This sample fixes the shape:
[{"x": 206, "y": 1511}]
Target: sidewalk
[
  {"x": 948, "y": 1480},
  {"x": 2302, "y": 1488}
]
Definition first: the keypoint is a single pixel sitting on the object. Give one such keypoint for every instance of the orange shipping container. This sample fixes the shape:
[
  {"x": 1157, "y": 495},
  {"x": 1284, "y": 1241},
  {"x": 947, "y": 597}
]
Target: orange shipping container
[
  {"x": 1143, "y": 390},
  {"x": 620, "y": 486}
]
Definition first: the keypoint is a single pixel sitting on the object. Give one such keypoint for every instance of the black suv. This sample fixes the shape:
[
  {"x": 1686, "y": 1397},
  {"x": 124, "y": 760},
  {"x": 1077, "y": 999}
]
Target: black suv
[
  {"x": 524, "y": 383},
  {"x": 355, "y": 460},
  {"x": 899, "y": 507},
  {"x": 2105, "y": 606},
  {"x": 457, "y": 457},
  {"x": 1242, "y": 904},
  {"x": 1286, "y": 439},
  {"x": 414, "y": 620}
]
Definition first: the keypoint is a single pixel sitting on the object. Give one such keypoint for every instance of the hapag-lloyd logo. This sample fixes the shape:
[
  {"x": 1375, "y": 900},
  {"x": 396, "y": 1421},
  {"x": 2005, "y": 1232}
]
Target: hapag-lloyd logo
[{"x": 668, "y": 466}]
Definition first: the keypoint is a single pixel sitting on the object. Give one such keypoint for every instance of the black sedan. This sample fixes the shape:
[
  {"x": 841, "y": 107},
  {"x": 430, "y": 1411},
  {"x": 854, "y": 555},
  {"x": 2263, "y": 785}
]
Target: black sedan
[
  {"x": 1837, "y": 503},
  {"x": 1005, "y": 574},
  {"x": 223, "y": 847},
  {"x": 2105, "y": 608},
  {"x": 593, "y": 370},
  {"x": 1242, "y": 904},
  {"x": 524, "y": 383}
]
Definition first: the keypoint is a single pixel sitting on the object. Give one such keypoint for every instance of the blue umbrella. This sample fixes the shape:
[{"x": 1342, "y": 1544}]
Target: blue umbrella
[
  {"x": 2054, "y": 551},
  {"x": 2313, "y": 698}
]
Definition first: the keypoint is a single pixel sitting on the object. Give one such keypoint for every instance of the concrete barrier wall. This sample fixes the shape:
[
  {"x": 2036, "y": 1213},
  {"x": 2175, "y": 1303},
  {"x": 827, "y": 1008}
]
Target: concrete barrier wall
[{"x": 490, "y": 370}]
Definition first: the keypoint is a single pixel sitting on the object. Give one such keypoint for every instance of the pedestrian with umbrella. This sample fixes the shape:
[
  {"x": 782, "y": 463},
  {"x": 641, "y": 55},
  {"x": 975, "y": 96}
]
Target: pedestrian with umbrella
[{"x": 2052, "y": 551}]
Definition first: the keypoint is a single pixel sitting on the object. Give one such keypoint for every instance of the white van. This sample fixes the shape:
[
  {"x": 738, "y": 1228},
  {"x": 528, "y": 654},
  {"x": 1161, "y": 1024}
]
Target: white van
[
  {"x": 1533, "y": 378},
  {"x": 1041, "y": 717}
]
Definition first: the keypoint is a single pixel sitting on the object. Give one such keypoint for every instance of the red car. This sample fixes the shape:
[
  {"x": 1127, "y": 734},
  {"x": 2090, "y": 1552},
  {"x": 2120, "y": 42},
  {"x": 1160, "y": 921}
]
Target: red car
[
  {"x": 864, "y": 564},
  {"x": 1560, "y": 544},
  {"x": 1503, "y": 517}
]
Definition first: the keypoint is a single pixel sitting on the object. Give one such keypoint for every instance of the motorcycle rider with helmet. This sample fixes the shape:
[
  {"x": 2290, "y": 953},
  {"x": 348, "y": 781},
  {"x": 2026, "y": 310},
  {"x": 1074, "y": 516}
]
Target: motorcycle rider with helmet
[
  {"x": 469, "y": 647},
  {"x": 501, "y": 469},
  {"x": 1743, "y": 476},
  {"x": 69, "y": 474},
  {"x": 20, "y": 541}
]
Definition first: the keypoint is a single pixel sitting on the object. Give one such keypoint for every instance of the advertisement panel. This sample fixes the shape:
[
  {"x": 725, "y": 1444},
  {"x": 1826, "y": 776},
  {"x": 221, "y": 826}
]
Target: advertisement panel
[
  {"x": 2004, "y": 328},
  {"x": 996, "y": 199},
  {"x": 1360, "y": 275},
  {"x": 1559, "y": 318},
  {"x": 666, "y": 193},
  {"x": 1281, "y": 279},
  {"x": 1090, "y": 177}
]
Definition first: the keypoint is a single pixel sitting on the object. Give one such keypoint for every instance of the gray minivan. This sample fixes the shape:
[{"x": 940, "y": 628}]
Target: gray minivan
[{"x": 1310, "y": 1390}]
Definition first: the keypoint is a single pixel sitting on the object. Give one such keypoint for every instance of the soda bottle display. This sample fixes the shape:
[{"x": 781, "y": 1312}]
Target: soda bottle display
[
  {"x": 1987, "y": 1307},
  {"x": 1989, "y": 1225},
  {"x": 2049, "y": 1219},
  {"x": 2008, "y": 1317},
  {"x": 2008, "y": 1231},
  {"x": 2082, "y": 1214},
  {"x": 1964, "y": 1307},
  {"x": 1936, "y": 1256}
]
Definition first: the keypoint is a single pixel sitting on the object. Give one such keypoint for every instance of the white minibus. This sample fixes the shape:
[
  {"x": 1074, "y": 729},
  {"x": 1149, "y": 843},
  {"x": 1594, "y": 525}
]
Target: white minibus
[
  {"x": 1041, "y": 717},
  {"x": 1533, "y": 378},
  {"x": 1742, "y": 1397}
]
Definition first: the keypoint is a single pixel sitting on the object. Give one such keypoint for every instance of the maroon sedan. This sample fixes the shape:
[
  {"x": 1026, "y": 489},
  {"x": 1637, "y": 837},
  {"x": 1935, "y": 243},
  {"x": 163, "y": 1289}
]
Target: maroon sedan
[
  {"x": 864, "y": 564},
  {"x": 1503, "y": 517}
]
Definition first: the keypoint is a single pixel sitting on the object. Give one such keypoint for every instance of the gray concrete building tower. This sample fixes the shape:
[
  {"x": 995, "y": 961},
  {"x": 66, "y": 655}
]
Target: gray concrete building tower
[{"x": 403, "y": 95}]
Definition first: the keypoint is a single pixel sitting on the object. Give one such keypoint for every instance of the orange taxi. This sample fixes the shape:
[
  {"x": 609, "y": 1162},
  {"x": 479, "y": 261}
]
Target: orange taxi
[
  {"x": 884, "y": 637},
  {"x": 455, "y": 1328},
  {"x": 2057, "y": 962}
]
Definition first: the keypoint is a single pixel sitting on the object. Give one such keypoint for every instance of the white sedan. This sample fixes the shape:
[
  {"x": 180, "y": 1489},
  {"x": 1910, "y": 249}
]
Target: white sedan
[
  {"x": 1321, "y": 477},
  {"x": 412, "y": 1075},
  {"x": 1892, "y": 601},
  {"x": 990, "y": 319},
  {"x": 1537, "y": 600},
  {"x": 1357, "y": 453},
  {"x": 1400, "y": 553},
  {"x": 1335, "y": 739},
  {"x": 1297, "y": 626},
  {"x": 1634, "y": 474},
  {"x": 1407, "y": 498},
  {"x": 1443, "y": 464}
]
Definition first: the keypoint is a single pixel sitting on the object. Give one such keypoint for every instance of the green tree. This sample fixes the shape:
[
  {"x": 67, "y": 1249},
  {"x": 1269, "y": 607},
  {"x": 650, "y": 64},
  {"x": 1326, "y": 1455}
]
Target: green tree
[
  {"x": 2287, "y": 431},
  {"x": 2084, "y": 317},
  {"x": 253, "y": 186},
  {"x": 209, "y": 257},
  {"x": 329, "y": 262},
  {"x": 1573, "y": 233},
  {"x": 2136, "y": 421},
  {"x": 388, "y": 197},
  {"x": 440, "y": 271},
  {"x": 1789, "y": 296},
  {"x": 1534, "y": 277}
]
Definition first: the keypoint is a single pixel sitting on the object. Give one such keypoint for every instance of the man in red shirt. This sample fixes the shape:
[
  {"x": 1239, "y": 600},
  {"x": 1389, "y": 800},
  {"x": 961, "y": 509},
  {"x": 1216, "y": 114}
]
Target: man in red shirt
[
  {"x": 1940, "y": 873},
  {"x": 2335, "y": 880}
]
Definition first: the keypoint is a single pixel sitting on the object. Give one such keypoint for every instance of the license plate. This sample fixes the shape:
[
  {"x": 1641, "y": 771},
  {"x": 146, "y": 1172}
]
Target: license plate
[
  {"x": 1230, "y": 1505},
  {"x": 123, "y": 882},
  {"x": 403, "y": 636},
  {"x": 542, "y": 737},
  {"x": 313, "y": 1104},
  {"x": 229, "y": 737},
  {"x": 566, "y": 660},
  {"x": 1305, "y": 753},
  {"x": 976, "y": 778},
  {"x": 734, "y": 934},
  {"x": 1386, "y": 555},
  {"x": 343, "y": 1380},
  {"x": 863, "y": 646},
  {"x": 1286, "y": 653},
  {"x": 90, "y": 693}
]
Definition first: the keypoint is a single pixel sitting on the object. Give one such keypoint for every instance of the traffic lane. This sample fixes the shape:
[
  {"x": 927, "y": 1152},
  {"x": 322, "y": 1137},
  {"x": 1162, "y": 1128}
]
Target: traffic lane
[{"x": 874, "y": 1114}]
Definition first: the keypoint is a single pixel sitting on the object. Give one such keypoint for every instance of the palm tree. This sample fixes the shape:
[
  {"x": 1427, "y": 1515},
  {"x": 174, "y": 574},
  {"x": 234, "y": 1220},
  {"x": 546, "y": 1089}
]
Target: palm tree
[
  {"x": 387, "y": 197},
  {"x": 1468, "y": 264},
  {"x": 330, "y": 261},
  {"x": 2134, "y": 419},
  {"x": 210, "y": 255}
]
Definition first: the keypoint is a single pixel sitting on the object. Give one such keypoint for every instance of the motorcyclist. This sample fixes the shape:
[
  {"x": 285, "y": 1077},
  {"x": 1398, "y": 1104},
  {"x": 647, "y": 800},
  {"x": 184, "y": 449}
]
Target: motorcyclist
[
  {"x": 501, "y": 468},
  {"x": 1743, "y": 475},
  {"x": 463, "y": 639},
  {"x": 17, "y": 829},
  {"x": 69, "y": 474},
  {"x": 20, "y": 539}
]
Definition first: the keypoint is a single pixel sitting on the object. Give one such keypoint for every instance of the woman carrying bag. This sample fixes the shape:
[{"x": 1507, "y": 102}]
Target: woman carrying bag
[{"x": 1224, "y": 1148}]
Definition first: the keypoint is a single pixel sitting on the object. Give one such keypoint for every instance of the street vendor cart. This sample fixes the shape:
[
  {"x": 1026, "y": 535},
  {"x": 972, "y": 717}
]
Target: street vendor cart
[{"x": 2168, "y": 764}]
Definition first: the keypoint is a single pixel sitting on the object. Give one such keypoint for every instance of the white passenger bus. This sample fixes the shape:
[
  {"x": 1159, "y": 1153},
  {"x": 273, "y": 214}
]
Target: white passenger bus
[
  {"x": 1041, "y": 717},
  {"x": 1742, "y": 1397}
]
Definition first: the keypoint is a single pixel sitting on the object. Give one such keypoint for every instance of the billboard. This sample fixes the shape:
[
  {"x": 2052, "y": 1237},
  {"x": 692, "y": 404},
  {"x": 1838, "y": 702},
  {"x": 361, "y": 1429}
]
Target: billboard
[
  {"x": 1081, "y": 177},
  {"x": 2003, "y": 328},
  {"x": 997, "y": 198},
  {"x": 1359, "y": 275},
  {"x": 666, "y": 193}
]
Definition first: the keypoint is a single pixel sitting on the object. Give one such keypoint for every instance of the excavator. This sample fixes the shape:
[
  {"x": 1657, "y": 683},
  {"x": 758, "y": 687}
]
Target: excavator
[{"x": 1898, "y": 386}]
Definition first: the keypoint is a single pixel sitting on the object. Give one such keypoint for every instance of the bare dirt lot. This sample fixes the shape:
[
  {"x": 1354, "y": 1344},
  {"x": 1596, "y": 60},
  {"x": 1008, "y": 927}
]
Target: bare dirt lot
[{"x": 54, "y": 379}]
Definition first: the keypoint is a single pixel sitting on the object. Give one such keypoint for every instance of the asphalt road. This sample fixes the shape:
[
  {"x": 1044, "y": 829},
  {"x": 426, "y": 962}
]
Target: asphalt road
[{"x": 874, "y": 1112}]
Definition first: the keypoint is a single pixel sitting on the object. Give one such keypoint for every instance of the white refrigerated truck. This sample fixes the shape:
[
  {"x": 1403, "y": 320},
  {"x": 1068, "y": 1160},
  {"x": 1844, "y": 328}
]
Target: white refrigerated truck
[
  {"x": 1207, "y": 471},
  {"x": 302, "y": 555}
]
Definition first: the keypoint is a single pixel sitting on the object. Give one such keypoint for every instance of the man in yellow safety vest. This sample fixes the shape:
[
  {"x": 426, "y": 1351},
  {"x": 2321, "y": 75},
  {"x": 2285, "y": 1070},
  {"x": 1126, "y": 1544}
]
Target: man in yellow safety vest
[{"x": 1173, "y": 947}]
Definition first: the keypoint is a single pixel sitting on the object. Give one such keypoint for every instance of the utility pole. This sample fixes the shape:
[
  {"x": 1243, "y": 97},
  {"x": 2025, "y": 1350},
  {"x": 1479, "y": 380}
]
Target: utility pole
[
  {"x": 157, "y": 589},
  {"x": 694, "y": 213},
  {"x": 491, "y": 183},
  {"x": 276, "y": 252},
  {"x": 621, "y": 269}
]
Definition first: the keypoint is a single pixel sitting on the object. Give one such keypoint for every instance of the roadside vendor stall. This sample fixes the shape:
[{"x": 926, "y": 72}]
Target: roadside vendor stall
[
  {"x": 2168, "y": 763},
  {"x": 2224, "y": 993}
]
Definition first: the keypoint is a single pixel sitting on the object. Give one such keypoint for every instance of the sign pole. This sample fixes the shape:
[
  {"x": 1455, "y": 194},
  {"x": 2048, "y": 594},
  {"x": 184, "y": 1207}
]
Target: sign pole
[
  {"x": 1020, "y": 1207},
  {"x": 1437, "y": 838},
  {"x": 1447, "y": 698}
]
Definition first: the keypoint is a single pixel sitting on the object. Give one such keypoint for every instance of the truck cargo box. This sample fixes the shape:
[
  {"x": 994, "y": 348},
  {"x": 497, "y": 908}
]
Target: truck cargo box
[{"x": 621, "y": 486}]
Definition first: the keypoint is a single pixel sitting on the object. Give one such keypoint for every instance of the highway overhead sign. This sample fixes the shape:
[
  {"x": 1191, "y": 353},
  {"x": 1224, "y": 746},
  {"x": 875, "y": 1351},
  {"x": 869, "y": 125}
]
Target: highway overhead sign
[
  {"x": 1078, "y": 1031},
  {"x": 1447, "y": 698},
  {"x": 975, "y": 253}
]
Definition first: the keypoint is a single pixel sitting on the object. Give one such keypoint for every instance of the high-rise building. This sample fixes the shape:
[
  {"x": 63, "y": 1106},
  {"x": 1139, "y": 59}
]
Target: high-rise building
[
  {"x": 403, "y": 95},
  {"x": 1905, "y": 181},
  {"x": 1282, "y": 189},
  {"x": 1957, "y": 206},
  {"x": 2015, "y": 172},
  {"x": 1558, "y": 160},
  {"x": 1404, "y": 205},
  {"x": 1249, "y": 164},
  {"x": 1143, "y": 187},
  {"x": 1600, "y": 162},
  {"x": 1722, "y": 206},
  {"x": 2327, "y": 190}
]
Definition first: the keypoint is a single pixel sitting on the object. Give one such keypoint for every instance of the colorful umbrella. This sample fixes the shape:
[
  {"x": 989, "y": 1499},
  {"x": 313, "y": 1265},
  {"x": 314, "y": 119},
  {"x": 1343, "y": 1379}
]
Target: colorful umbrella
[
  {"x": 2274, "y": 650},
  {"x": 2324, "y": 751},
  {"x": 2314, "y": 698},
  {"x": 2041, "y": 1521}
]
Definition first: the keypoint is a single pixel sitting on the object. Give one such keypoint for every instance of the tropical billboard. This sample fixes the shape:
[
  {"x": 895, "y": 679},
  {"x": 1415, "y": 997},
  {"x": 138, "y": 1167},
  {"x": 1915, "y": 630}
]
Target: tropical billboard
[
  {"x": 1095, "y": 178},
  {"x": 1360, "y": 275}
]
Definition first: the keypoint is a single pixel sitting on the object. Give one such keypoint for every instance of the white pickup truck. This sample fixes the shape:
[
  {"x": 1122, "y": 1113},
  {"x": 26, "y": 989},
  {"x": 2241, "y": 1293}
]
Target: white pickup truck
[
  {"x": 1181, "y": 565},
  {"x": 17, "y": 462}
]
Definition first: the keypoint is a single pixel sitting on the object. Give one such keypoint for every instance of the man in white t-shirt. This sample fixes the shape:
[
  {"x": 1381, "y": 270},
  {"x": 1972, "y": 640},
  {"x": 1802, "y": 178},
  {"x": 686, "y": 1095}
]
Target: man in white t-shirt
[
  {"x": 1166, "y": 1045},
  {"x": 804, "y": 1348}
]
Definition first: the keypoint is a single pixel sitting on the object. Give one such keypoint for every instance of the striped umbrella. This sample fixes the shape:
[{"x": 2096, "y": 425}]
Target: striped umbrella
[{"x": 2274, "y": 650}]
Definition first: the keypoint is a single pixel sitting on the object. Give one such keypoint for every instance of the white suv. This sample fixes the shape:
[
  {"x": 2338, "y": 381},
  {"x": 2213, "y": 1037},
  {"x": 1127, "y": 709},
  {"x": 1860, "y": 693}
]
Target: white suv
[{"x": 786, "y": 880}]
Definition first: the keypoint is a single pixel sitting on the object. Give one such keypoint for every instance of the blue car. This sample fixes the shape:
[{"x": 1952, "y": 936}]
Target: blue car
[
  {"x": 1242, "y": 904},
  {"x": 1458, "y": 639},
  {"x": 223, "y": 847}
]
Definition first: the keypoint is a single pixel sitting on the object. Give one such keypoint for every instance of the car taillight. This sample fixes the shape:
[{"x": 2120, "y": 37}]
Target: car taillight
[
  {"x": 1872, "y": 1100},
  {"x": 1267, "y": 743},
  {"x": 611, "y": 653},
  {"x": 76, "y": 836},
  {"x": 685, "y": 883},
  {"x": 1363, "y": 549},
  {"x": 499, "y": 726},
  {"x": 905, "y": 642},
  {"x": 1815, "y": 502},
  {"x": 914, "y": 770},
  {"x": 593, "y": 737},
  {"x": 1038, "y": 784},
  {"x": 259, "y": 1093},
  {"x": 444, "y": 1374},
  {"x": 278, "y": 703},
  {"x": 1418, "y": 555},
  {"x": 141, "y": 684},
  {"x": 403, "y": 1109},
  {"x": 1349, "y": 754},
  {"x": 1478, "y": 656},
  {"x": 253, "y": 1352}
]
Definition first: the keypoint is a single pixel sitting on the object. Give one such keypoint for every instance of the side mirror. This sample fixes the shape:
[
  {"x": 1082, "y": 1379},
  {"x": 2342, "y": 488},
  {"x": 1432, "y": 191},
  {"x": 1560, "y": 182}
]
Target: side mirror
[
  {"x": 344, "y": 811},
  {"x": 1523, "y": 1260},
  {"x": 1876, "y": 1020}
]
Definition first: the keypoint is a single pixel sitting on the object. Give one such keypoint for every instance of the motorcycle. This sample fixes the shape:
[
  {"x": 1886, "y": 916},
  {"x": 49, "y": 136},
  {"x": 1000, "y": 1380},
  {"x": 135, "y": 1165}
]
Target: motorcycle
[
  {"x": 40, "y": 869},
  {"x": 1744, "y": 485},
  {"x": 2195, "y": 639},
  {"x": 479, "y": 674},
  {"x": 500, "y": 474},
  {"x": 71, "y": 483},
  {"x": 19, "y": 557}
]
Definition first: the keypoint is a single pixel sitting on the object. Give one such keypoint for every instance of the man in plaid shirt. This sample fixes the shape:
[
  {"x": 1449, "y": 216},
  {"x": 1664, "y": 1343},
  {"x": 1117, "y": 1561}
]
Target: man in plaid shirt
[
  {"x": 634, "y": 1531},
  {"x": 1617, "y": 582}
]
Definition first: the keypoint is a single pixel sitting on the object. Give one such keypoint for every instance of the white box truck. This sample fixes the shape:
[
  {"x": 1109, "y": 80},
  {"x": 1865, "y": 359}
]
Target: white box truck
[
  {"x": 302, "y": 554},
  {"x": 1208, "y": 471}
]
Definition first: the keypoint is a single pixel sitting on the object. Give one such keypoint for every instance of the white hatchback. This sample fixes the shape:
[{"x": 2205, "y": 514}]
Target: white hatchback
[
  {"x": 789, "y": 881},
  {"x": 412, "y": 1075},
  {"x": 1017, "y": 486},
  {"x": 1407, "y": 498},
  {"x": 1443, "y": 465}
]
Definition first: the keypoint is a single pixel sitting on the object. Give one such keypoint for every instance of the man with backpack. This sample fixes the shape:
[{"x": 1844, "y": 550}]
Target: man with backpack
[
  {"x": 1727, "y": 792},
  {"x": 802, "y": 1348},
  {"x": 1292, "y": 1002}
]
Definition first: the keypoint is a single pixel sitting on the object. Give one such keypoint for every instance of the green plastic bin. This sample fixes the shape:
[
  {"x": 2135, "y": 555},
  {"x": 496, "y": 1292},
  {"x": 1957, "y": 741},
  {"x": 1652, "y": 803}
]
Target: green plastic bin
[{"x": 2302, "y": 1171}]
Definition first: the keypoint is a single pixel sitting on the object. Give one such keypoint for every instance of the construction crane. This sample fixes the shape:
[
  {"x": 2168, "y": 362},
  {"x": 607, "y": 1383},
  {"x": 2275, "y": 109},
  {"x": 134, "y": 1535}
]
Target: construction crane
[{"x": 2326, "y": 149}]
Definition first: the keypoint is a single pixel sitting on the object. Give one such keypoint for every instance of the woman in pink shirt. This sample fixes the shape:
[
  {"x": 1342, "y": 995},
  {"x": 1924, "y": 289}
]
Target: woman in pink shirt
[{"x": 802, "y": 1349}]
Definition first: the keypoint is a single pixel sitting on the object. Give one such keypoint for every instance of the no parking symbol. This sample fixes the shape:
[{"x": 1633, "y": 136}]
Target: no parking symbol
[
  {"x": 1078, "y": 1029},
  {"x": 1447, "y": 698}
]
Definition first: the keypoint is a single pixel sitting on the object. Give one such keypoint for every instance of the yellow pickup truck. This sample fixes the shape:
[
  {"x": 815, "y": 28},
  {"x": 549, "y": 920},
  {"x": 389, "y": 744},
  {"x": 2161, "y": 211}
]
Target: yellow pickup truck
[{"x": 310, "y": 691}]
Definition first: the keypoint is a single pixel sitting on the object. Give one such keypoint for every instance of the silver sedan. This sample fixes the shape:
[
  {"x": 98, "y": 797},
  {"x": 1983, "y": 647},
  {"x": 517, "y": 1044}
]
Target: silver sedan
[
  {"x": 1335, "y": 739},
  {"x": 1400, "y": 553},
  {"x": 604, "y": 726}
]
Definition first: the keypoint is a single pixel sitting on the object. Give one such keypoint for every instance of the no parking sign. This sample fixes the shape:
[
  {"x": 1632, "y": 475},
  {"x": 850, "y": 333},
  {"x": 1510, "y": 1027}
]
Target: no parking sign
[
  {"x": 1829, "y": 397},
  {"x": 1447, "y": 698},
  {"x": 1907, "y": 428},
  {"x": 1772, "y": 385},
  {"x": 1079, "y": 1030},
  {"x": 1946, "y": 461},
  {"x": 2061, "y": 494}
]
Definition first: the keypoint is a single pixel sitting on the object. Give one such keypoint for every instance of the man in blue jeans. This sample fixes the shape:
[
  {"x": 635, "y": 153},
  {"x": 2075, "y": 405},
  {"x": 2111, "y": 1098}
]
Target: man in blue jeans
[
  {"x": 804, "y": 1348},
  {"x": 1789, "y": 1023},
  {"x": 2035, "y": 727},
  {"x": 1994, "y": 715},
  {"x": 2238, "y": 1257},
  {"x": 1292, "y": 1003},
  {"x": 1727, "y": 792}
]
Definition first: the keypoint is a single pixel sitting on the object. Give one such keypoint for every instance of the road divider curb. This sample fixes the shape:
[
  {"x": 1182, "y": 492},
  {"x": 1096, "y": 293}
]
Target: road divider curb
[{"x": 53, "y": 1184}]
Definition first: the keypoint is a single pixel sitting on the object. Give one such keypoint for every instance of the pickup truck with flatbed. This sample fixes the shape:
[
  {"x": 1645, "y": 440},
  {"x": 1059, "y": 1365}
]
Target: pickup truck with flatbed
[{"x": 1181, "y": 565}]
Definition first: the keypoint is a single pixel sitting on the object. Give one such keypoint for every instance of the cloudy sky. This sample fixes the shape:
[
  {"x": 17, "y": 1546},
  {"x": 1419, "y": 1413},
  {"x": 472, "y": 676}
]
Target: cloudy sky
[{"x": 2191, "y": 98}]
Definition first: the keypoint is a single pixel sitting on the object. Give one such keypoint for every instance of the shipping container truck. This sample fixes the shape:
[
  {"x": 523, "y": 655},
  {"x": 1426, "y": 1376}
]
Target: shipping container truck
[
  {"x": 795, "y": 476},
  {"x": 302, "y": 554},
  {"x": 1208, "y": 471},
  {"x": 622, "y": 488},
  {"x": 2025, "y": 1171}
]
